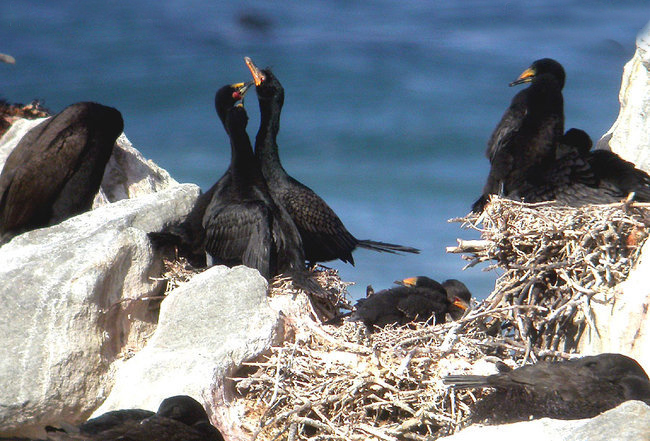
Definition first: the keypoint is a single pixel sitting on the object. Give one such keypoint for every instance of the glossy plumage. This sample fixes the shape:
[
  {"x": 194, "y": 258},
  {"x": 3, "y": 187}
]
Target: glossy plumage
[
  {"x": 527, "y": 135},
  {"x": 324, "y": 236},
  {"x": 578, "y": 388},
  {"x": 417, "y": 300},
  {"x": 242, "y": 222},
  {"x": 56, "y": 169},
  {"x": 532, "y": 160}
]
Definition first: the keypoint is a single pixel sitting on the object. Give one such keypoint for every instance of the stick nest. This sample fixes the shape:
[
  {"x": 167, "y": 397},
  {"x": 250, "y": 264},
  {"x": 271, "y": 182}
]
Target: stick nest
[
  {"x": 555, "y": 261},
  {"x": 341, "y": 383}
]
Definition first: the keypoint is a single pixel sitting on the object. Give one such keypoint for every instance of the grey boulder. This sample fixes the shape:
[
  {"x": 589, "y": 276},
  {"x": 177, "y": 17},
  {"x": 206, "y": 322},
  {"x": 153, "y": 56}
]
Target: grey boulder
[
  {"x": 628, "y": 422},
  {"x": 71, "y": 305}
]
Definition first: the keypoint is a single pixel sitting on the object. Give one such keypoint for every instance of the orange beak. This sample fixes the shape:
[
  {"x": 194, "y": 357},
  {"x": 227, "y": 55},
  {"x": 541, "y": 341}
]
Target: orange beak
[
  {"x": 411, "y": 281},
  {"x": 258, "y": 76},
  {"x": 460, "y": 303},
  {"x": 525, "y": 77}
]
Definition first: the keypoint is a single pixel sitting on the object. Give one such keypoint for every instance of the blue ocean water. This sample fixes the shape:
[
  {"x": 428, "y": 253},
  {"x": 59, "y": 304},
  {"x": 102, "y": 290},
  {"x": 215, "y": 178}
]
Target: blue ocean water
[{"x": 388, "y": 107}]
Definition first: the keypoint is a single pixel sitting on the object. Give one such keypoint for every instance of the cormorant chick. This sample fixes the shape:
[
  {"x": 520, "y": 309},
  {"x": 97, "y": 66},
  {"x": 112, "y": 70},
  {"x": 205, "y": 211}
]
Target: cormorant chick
[
  {"x": 417, "y": 300},
  {"x": 324, "y": 237},
  {"x": 527, "y": 135},
  {"x": 242, "y": 222},
  {"x": 573, "y": 389},
  {"x": 179, "y": 418},
  {"x": 56, "y": 169}
]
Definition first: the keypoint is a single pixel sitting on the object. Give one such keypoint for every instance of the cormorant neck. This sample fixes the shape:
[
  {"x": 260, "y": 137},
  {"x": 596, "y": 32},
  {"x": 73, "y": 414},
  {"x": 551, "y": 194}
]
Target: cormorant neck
[
  {"x": 242, "y": 157},
  {"x": 266, "y": 147}
]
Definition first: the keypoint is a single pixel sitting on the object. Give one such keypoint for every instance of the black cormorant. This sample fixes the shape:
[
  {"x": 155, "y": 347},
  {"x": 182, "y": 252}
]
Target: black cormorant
[
  {"x": 179, "y": 418},
  {"x": 190, "y": 235},
  {"x": 56, "y": 169},
  {"x": 324, "y": 236},
  {"x": 612, "y": 177},
  {"x": 609, "y": 168},
  {"x": 417, "y": 300},
  {"x": 573, "y": 389},
  {"x": 526, "y": 138},
  {"x": 242, "y": 223}
]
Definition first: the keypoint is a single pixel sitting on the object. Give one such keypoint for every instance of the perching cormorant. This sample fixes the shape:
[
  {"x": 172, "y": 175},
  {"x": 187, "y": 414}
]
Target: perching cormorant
[
  {"x": 179, "y": 418},
  {"x": 56, "y": 169},
  {"x": 525, "y": 140},
  {"x": 324, "y": 236},
  {"x": 573, "y": 389},
  {"x": 189, "y": 236},
  {"x": 612, "y": 176},
  {"x": 610, "y": 168},
  {"x": 569, "y": 179},
  {"x": 242, "y": 222},
  {"x": 417, "y": 300}
]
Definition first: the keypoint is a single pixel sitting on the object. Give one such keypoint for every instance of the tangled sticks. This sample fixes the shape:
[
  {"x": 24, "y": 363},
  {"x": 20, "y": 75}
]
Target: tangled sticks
[
  {"x": 326, "y": 382},
  {"x": 555, "y": 259}
]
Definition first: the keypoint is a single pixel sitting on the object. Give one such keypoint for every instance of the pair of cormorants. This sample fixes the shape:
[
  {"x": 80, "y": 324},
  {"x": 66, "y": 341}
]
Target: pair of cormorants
[
  {"x": 257, "y": 214},
  {"x": 242, "y": 222},
  {"x": 418, "y": 299},
  {"x": 179, "y": 418},
  {"x": 532, "y": 159},
  {"x": 57, "y": 167},
  {"x": 572, "y": 389}
]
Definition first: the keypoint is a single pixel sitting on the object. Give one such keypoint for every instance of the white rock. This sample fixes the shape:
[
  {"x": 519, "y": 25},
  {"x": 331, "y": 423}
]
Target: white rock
[
  {"x": 629, "y": 137},
  {"x": 622, "y": 318},
  {"x": 128, "y": 175},
  {"x": 65, "y": 315},
  {"x": 207, "y": 328},
  {"x": 10, "y": 139},
  {"x": 628, "y": 422}
]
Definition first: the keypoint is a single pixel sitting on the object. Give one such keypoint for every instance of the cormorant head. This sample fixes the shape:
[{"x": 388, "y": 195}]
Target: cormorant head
[
  {"x": 579, "y": 139},
  {"x": 266, "y": 83},
  {"x": 459, "y": 296},
  {"x": 545, "y": 66},
  {"x": 182, "y": 408},
  {"x": 456, "y": 291},
  {"x": 612, "y": 366},
  {"x": 228, "y": 96}
]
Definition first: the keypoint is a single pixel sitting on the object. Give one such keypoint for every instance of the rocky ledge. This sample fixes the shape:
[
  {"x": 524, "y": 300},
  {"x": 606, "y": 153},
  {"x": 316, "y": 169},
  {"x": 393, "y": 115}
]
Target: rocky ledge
[{"x": 85, "y": 331}]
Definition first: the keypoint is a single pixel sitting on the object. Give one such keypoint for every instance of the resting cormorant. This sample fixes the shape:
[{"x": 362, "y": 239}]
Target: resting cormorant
[
  {"x": 243, "y": 224},
  {"x": 609, "y": 168},
  {"x": 526, "y": 138},
  {"x": 568, "y": 179},
  {"x": 179, "y": 418},
  {"x": 612, "y": 176},
  {"x": 573, "y": 389},
  {"x": 56, "y": 169},
  {"x": 324, "y": 236},
  {"x": 417, "y": 300}
]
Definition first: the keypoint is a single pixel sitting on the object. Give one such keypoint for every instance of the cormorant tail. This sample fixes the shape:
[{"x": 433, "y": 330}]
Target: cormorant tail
[
  {"x": 386, "y": 247},
  {"x": 465, "y": 381}
]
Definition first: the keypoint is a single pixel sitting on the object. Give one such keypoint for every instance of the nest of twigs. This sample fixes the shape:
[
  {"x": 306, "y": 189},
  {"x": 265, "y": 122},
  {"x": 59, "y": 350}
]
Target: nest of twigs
[
  {"x": 341, "y": 383},
  {"x": 555, "y": 260}
]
